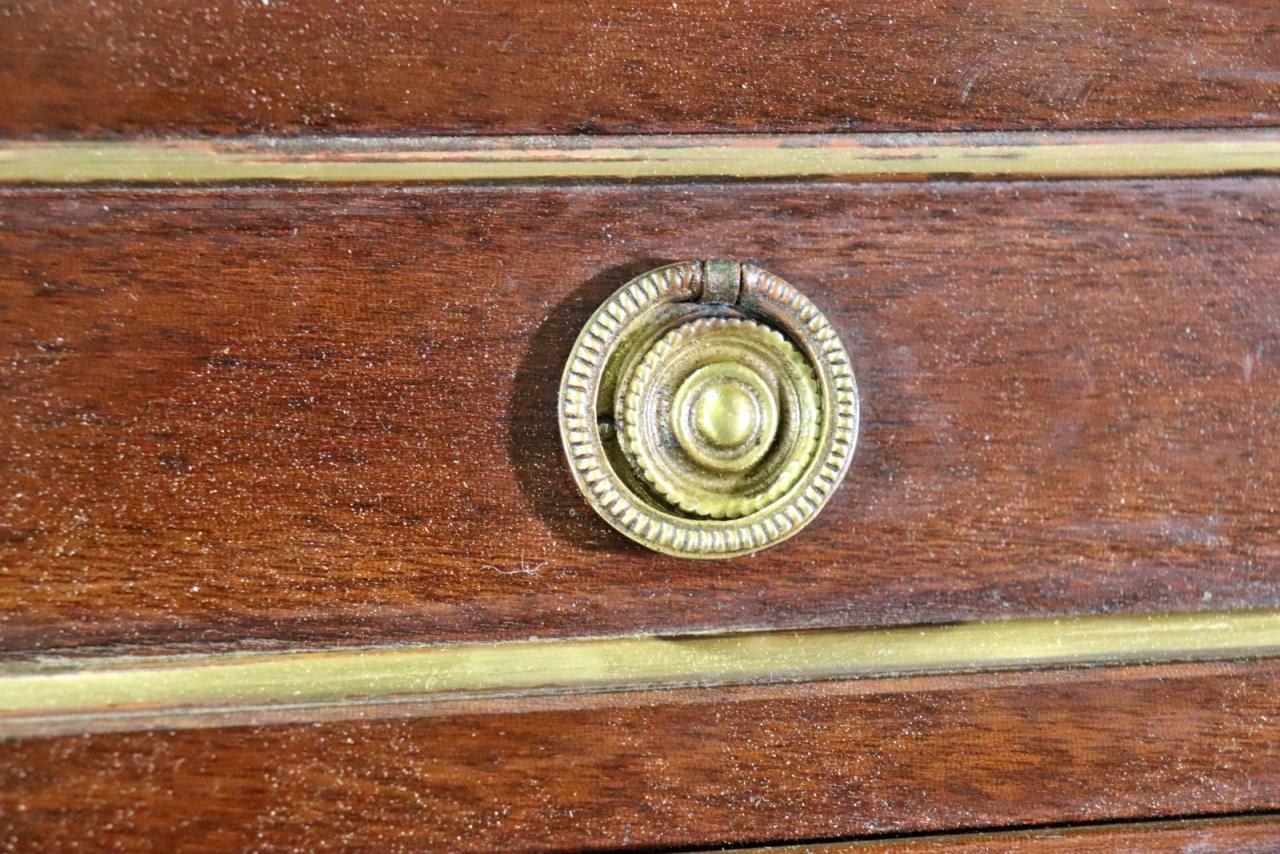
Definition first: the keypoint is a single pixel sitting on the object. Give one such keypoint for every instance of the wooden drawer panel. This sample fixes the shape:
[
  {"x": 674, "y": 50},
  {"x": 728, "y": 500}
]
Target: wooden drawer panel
[
  {"x": 106, "y": 66},
  {"x": 677, "y": 768},
  {"x": 317, "y": 415}
]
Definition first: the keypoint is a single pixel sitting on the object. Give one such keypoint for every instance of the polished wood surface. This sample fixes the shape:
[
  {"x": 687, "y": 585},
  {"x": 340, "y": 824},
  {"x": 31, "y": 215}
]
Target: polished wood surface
[
  {"x": 315, "y": 418},
  {"x": 259, "y": 416},
  {"x": 671, "y": 768},
  {"x": 101, "y": 67},
  {"x": 1242, "y": 835}
]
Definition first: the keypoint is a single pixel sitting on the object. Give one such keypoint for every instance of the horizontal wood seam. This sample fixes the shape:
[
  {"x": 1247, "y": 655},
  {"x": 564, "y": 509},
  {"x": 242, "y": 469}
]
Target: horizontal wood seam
[
  {"x": 39, "y": 691},
  {"x": 862, "y": 157}
]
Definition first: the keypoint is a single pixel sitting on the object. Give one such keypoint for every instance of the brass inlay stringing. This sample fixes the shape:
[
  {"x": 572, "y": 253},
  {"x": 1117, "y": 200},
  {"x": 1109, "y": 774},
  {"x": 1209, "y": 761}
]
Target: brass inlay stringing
[
  {"x": 71, "y": 694},
  {"x": 863, "y": 157}
]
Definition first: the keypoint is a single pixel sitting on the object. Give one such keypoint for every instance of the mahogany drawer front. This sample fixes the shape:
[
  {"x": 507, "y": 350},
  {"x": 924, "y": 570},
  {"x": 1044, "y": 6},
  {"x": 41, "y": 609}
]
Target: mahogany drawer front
[
  {"x": 291, "y": 556},
  {"x": 327, "y": 415},
  {"x": 103, "y": 67}
]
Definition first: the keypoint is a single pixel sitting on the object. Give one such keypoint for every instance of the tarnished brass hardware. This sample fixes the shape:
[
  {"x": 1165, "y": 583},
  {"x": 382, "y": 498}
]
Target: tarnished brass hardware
[
  {"x": 720, "y": 417},
  {"x": 708, "y": 409}
]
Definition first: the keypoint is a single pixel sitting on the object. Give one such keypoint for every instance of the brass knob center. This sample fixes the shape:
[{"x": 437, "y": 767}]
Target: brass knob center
[{"x": 724, "y": 416}]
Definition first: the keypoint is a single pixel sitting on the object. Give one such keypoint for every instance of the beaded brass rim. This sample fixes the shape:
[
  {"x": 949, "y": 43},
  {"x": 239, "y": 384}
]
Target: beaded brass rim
[
  {"x": 708, "y": 409},
  {"x": 726, "y": 441}
]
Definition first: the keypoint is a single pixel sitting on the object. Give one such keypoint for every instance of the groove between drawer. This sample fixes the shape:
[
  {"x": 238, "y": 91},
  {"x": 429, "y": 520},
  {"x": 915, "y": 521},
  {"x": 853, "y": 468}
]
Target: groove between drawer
[
  {"x": 862, "y": 157},
  {"x": 61, "y": 695}
]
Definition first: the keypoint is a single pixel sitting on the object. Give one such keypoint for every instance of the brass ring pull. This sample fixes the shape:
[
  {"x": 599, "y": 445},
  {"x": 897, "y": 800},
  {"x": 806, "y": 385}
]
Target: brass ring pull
[{"x": 708, "y": 409}]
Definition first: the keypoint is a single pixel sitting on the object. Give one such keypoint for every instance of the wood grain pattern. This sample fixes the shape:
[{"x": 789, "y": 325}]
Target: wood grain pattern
[
  {"x": 263, "y": 415},
  {"x": 1243, "y": 835},
  {"x": 171, "y": 66},
  {"x": 693, "y": 768}
]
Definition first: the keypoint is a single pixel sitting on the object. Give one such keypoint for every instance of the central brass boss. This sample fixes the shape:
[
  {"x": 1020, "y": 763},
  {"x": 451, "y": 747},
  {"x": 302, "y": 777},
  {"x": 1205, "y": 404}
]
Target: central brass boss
[{"x": 708, "y": 409}]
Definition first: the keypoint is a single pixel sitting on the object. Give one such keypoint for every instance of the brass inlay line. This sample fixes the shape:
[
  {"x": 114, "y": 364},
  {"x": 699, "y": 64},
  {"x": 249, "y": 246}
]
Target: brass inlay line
[
  {"x": 31, "y": 692},
  {"x": 1099, "y": 154}
]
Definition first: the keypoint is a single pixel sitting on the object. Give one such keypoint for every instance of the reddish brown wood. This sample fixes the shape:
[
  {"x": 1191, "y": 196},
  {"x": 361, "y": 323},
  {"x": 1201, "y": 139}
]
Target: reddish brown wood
[
  {"x": 329, "y": 415},
  {"x": 217, "y": 66},
  {"x": 672, "y": 768},
  {"x": 1249, "y": 835}
]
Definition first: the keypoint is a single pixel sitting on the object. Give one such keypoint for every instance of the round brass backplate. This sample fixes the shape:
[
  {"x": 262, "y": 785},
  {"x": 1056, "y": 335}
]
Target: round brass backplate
[{"x": 708, "y": 409}]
